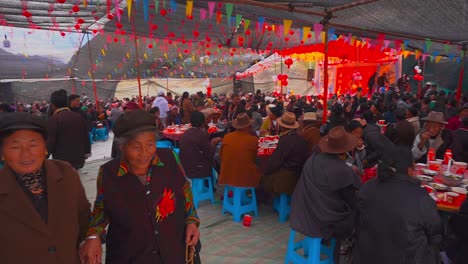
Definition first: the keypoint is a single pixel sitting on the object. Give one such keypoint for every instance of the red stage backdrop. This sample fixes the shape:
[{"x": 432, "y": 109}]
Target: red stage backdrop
[{"x": 344, "y": 79}]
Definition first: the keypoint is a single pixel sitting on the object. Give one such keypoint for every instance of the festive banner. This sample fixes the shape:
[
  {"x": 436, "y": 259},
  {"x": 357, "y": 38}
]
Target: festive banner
[
  {"x": 202, "y": 14},
  {"x": 211, "y": 7},
  {"x": 238, "y": 19},
  {"x": 305, "y": 32},
  {"x": 189, "y": 8},
  {"x": 229, "y": 9},
  {"x": 286, "y": 26},
  {"x": 317, "y": 29}
]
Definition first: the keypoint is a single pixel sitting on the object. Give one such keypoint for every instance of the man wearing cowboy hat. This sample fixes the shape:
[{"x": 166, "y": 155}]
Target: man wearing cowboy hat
[
  {"x": 323, "y": 203},
  {"x": 285, "y": 164},
  {"x": 434, "y": 136}
]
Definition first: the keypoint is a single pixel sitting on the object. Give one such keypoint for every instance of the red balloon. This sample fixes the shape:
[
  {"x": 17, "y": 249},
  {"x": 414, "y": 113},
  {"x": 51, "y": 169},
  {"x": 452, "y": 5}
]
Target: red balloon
[
  {"x": 77, "y": 26},
  {"x": 95, "y": 31},
  {"x": 208, "y": 39},
  {"x": 284, "y": 83},
  {"x": 76, "y": 9}
]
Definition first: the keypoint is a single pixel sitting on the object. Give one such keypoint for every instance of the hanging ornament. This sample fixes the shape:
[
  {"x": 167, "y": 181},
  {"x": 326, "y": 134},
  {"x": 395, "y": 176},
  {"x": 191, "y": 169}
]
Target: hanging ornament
[
  {"x": 284, "y": 83},
  {"x": 26, "y": 14},
  {"x": 80, "y": 21},
  {"x": 62, "y": 34},
  {"x": 288, "y": 62},
  {"x": 61, "y": 1},
  {"x": 163, "y": 12},
  {"x": 110, "y": 16},
  {"x": 77, "y": 26},
  {"x": 76, "y": 9}
]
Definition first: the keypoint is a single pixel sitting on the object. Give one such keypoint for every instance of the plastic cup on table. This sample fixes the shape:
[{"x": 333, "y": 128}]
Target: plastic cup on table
[
  {"x": 435, "y": 165},
  {"x": 453, "y": 197},
  {"x": 381, "y": 122},
  {"x": 459, "y": 167}
]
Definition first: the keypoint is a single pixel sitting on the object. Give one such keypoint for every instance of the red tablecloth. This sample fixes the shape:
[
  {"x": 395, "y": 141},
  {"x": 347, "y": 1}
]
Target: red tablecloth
[{"x": 173, "y": 135}]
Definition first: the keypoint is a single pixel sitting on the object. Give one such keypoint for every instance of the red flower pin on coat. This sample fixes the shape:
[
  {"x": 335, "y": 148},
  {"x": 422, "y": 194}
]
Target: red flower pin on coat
[{"x": 166, "y": 206}]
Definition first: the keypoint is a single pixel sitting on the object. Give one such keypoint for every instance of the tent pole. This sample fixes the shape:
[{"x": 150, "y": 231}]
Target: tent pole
[
  {"x": 325, "y": 22},
  {"x": 137, "y": 65},
  {"x": 462, "y": 72},
  {"x": 92, "y": 71}
]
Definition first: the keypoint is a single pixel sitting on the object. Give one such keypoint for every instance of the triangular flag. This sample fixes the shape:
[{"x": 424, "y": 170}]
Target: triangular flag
[
  {"x": 229, "y": 9},
  {"x": 117, "y": 10},
  {"x": 129, "y": 7},
  {"x": 428, "y": 45},
  {"x": 202, "y": 14},
  {"x": 405, "y": 44},
  {"x": 398, "y": 43},
  {"x": 417, "y": 54},
  {"x": 238, "y": 19},
  {"x": 261, "y": 22},
  {"x": 406, "y": 53},
  {"x": 145, "y": 9},
  {"x": 386, "y": 43},
  {"x": 189, "y": 8},
  {"x": 446, "y": 48},
  {"x": 211, "y": 7},
  {"x": 424, "y": 56},
  {"x": 173, "y": 5},
  {"x": 317, "y": 29},
  {"x": 451, "y": 56},
  {"x": 331, "y": 32},
  {"x": 305, "y": 32},
  {"x": 156, "y": 6},
  {"x": 286, "y": 26},
  {"x": 246, "y": 24},
  {"x": 438, "y": 58}
]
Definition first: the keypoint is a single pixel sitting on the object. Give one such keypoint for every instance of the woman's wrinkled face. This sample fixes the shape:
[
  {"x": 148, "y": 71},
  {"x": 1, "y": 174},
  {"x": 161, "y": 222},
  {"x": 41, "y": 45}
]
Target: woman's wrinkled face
[
  {"x": 24, "y": 151},
  {"x": 140, "y": 150}
]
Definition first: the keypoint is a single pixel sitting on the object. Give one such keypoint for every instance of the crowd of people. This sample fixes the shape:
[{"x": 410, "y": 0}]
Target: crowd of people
[{"x": 388, "y": 219}]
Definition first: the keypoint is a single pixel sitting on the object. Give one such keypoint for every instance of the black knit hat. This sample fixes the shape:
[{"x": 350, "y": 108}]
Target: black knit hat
[
  {"x": 134, "y": 121},
  {"x": 20, "y": 120}
]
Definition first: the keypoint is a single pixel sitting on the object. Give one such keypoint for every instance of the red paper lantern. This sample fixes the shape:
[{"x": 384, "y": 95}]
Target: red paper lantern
[
  {"x": 150, "y": 46},
  {"x": 284, "y": 83},
  {"x": 80, "y": 21},
  {"x": 288, "y": 62},
  {"x": 95, "y": 31},
  {"x": 196, "y": 33},
  {"x": 247, "y": 32},
  {"x": 76, "y": 9},
  {"x": 270, "y": 28},
  {"x": 208, "y": 39},
  {"x": 26, "y": 14},
  {"x": 61, "y": 1},
  {"x": 62, "y": 33},
  {"x": 163, "y": 12},
  {"x": 77, "y": 26},
  {"x": 119, "y": 25},
  {"x": 110, "y": 16},
  {"x": 291, "y": 32},
  {"x": 154, "y": 27}
]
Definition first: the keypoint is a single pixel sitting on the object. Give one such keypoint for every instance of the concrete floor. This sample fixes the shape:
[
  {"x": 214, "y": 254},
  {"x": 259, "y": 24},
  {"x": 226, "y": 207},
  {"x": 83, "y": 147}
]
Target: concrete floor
[{"x": 223, "y": 241}]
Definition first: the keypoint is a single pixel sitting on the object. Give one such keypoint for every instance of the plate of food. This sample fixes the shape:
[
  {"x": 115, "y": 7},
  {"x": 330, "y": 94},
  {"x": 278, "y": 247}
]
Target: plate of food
[
  {"x": 425, "y": 178},
  {"x": 429, "y": 172},
  {"x": 438, "y": 186}
]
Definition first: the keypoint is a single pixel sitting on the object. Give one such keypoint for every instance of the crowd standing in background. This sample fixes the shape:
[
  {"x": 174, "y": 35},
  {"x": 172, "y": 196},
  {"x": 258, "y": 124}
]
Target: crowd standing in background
[{"x": 322, "y": 165}]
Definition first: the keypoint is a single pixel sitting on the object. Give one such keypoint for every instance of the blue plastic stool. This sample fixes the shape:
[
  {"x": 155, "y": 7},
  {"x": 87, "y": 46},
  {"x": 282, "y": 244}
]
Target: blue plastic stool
[
  {"x": 281, "y": 204},
  {"x": 312, "y": 249},
  {"x": 101, "y": 134},
  {"x": 202, "y": 192},
  {"x": 240, "y": 203},
  {"x": 164, "y": 144}
]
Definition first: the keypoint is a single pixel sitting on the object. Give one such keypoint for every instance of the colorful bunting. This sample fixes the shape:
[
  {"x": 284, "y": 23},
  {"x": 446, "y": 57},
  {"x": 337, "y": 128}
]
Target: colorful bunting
[
  {"x": 229, "y": 9},
  {"x": 286, "y": 26},
  {"x": 129, "y": 8},
  {"x": 211, "y": 7},
  {"x": 317, "y": 29},
  {"x": 189, "y": 8},
  {"x": 305, "y": 32},
  {"x": 427, "y": 45}
]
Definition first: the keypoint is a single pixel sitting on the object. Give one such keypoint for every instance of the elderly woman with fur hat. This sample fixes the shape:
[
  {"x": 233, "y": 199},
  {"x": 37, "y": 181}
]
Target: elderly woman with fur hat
[
  {"x": 145, "y": 200},
  {"x": 44, "y": 211}
]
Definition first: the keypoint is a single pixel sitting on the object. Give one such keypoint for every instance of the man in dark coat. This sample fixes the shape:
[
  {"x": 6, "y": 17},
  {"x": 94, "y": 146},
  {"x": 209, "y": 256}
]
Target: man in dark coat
[
  {"x": 196, "y": 149},
  {"x": 462, "y": 136},
  {"x": 68, "y": 138},
  {"x": 376, "y": 143},
  {"x": 398, "y": 220},
  {"x": 285, "y": 164},
  {"x": 323, "y": 203}
]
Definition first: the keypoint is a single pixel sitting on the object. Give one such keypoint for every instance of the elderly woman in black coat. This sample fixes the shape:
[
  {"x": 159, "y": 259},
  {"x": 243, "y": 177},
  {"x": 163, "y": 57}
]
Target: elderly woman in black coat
[{"x": 144, "y": 199}]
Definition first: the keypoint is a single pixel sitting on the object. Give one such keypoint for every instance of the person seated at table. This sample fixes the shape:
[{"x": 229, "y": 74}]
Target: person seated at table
[
  {"x": 238, "y": 155},
  {"x": 398, "y": 220},
  {"x": 457, "y": 249},
  {"x": 156, "y": 112},
  {"x": 324, "y": 200},
  {"x": 173, "y": 117},
  {"x": 433, "y": 135},
  {"x": 270, "y": 125},
  {"x": 233, "y": 109},
  {"x": 196, "y": 148},
  {"x": 376, "y": 142},
  {"x": 285, "y": 164},
  {"x": 355, "y": 157},
  {"x": 401, "y": 132},
  {"x": 311, "y": 130}
]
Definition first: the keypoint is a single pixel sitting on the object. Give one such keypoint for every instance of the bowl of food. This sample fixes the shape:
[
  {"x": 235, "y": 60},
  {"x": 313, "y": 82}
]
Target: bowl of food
[
  {"x": 429, "y": 172},
  {"x": 438, "y": 186},
  {"x": 425, "y": 178},
  {"x": 451, "y": 179}
]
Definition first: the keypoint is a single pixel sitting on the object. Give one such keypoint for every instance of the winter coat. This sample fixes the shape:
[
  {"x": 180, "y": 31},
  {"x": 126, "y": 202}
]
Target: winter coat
[
  {"x": 196, "y": 153},
  {"x": 398, "y": 223}
]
